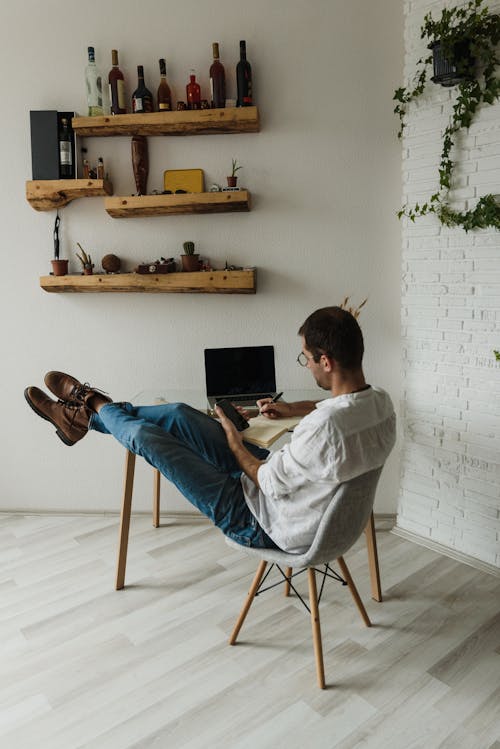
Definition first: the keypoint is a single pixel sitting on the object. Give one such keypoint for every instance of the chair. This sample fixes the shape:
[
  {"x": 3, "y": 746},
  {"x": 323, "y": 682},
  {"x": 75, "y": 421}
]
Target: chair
[
  {"x": 343, "y": 522},
  {"x": 128, "y": 487}
]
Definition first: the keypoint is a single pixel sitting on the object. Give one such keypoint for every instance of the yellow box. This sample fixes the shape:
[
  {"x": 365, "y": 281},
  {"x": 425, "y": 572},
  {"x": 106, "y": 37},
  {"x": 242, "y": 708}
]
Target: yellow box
[{"x": 188, "y": 180}]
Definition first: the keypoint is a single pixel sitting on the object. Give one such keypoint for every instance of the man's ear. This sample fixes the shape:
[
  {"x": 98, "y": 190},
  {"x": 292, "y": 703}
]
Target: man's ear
[{"x": 328, "y": 363}]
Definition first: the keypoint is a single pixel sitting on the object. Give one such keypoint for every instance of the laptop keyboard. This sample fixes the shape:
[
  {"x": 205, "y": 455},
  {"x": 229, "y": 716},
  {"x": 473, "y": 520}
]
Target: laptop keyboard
[{"x": 244, "y": 400}]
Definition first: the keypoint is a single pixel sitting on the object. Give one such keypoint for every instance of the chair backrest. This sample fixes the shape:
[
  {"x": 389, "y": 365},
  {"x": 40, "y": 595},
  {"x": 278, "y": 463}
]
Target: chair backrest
[{"x": 345, "y": 519}]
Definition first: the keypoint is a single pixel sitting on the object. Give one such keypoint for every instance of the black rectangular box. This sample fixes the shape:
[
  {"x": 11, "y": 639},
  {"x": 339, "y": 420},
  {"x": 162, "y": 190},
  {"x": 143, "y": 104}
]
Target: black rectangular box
[{"x": 45, "y": 126}]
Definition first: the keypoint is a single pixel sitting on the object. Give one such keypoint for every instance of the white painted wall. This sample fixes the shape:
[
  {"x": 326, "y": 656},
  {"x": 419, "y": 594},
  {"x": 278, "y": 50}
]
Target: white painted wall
[
  {"x": 324, "y": 173},
  {"x": 450, "y": 313}
]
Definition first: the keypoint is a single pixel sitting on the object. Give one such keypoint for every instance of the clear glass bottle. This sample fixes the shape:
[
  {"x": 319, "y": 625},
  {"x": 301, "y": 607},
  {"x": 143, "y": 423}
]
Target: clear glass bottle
[
  {"x": 93, "y": 81},
  {"x": 116, "y": 83},
  {"x": 164, "y": 96},
  {"x": 217, "y": 79},
  {"x": 142, "y": 98}
]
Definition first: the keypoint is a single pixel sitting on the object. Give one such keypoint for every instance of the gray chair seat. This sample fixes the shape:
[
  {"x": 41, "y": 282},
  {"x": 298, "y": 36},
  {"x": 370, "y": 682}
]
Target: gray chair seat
[{"x": 342, "y": 524}]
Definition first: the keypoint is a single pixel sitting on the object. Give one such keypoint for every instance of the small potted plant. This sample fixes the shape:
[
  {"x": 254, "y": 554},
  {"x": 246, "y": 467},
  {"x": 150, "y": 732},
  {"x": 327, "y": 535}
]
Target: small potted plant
[
  {"x": 190, "y": 260},
  {"x": 232, "y": 179},
  {"x": 59, "y": 267},
  {"x": 86, "y": 261}
]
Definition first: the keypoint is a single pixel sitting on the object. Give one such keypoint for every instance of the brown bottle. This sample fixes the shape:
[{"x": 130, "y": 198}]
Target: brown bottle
[
  {"x": 116, "y": 86},
  {"x": 164, "y": 97},
  {"x": 217, "y": 80}
]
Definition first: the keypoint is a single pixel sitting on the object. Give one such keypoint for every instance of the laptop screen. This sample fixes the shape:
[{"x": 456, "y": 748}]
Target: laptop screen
[{"x": 240, "y": 370}]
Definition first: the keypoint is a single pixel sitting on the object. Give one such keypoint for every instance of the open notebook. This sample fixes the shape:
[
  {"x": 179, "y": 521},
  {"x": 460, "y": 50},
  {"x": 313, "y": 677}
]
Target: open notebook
[{"x": 263, "y": 432}]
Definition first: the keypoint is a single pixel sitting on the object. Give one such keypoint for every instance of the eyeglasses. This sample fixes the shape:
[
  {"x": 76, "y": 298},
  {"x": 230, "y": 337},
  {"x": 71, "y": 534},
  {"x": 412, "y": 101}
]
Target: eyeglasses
[{"x": 304, "y": 360}]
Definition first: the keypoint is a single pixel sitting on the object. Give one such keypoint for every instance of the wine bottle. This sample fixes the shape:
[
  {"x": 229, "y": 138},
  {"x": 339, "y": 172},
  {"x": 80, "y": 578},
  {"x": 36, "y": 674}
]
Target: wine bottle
[
  {"x": 244, "y": 78},
  {"x": 164, "y": 97},
  {"x": 116, "y": 83},
  {"x": 65, "y": 151},
  {"x": 193, "y": 92},
  {"x": 217, "y": 80},
  {"x": 93, "y": 80},
  {"x": 142, "y": 98}
]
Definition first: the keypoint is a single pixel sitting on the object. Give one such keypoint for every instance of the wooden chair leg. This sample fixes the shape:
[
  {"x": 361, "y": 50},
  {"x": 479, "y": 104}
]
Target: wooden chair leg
[
  {"x": 128, "y": 486},
  {"x": 288, "y": 573},
  {"x": 156, "y": 498},
  {"x": 354, "y": 592},
  {"x": 371, "y": 544},
  {"x": 316, "y": 627},
  {"x": 248, "y": 602}
]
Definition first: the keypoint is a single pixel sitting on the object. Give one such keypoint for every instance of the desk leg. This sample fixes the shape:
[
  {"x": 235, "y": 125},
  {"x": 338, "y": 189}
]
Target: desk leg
[
  {"x": 156, "y": 497},
  {"x": 128, "y": 486},
  {"x": 371, "y": 544}
]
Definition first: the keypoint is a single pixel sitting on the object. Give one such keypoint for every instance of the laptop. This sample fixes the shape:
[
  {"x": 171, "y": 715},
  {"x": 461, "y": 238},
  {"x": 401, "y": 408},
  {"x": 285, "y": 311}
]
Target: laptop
[{"x": 242, "y": 374}]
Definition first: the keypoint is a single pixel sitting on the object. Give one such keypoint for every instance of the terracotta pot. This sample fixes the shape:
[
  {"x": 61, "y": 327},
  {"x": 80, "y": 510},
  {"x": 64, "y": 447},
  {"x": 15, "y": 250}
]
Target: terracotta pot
[
  {"x": 190, "y": 263},
  {"x": 231, "y": 181},
  {"x": 59, "y": 267}
]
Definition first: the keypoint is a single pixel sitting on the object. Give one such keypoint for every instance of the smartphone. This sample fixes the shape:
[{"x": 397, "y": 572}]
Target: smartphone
[{"x": 233, "y": 415}]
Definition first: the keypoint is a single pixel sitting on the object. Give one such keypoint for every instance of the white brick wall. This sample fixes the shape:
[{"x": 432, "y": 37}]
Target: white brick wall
[{"x": 450, "y": 486}]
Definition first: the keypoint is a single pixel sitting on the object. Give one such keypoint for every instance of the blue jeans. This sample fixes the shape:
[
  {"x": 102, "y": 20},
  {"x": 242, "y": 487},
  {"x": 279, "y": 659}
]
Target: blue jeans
[{"x": 190, "y": 449}]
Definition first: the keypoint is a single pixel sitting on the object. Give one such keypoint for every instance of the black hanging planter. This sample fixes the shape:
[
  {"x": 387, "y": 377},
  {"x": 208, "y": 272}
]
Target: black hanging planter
[{"x": 448, "y": 73}]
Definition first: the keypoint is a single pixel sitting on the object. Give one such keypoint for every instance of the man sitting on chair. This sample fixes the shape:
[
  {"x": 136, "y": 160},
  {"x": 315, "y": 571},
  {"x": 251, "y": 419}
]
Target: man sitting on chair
[{"x": 256, "y": 497}]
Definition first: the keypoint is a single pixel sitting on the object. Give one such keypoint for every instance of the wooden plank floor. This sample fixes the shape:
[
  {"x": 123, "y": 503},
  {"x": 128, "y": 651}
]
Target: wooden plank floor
[{"x": 82, "y": 665}]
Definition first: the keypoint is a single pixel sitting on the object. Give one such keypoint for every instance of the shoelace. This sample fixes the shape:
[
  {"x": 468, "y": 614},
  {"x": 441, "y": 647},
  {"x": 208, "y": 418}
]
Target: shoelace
[
  {"x": 81, "y": 390},
  {"x": 75, "y": 407}
]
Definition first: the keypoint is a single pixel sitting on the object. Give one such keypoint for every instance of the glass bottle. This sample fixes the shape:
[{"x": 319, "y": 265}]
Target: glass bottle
[
  {"x": 244, "y": 79},
  {"x": 93, "y": 80},
  {"x": 116, "y": 83},
  {"x": 142, "y": 98},
  {"x": 65, "y": 151},
  {"x": 217, "y": 79},
  {"x": 164, "y": 97},
  {"x": 193, "y": 92}
]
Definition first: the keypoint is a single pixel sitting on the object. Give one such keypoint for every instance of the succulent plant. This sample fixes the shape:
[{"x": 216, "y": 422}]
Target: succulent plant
[
  {"x": 188, "y": 248},
  {"x": 85, "y": 259}
]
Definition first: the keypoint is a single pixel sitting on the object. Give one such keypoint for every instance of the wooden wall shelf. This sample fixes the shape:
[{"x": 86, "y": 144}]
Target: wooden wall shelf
[
  {"x": 161, "y": 205},
  {"x": 199, "y": 122},
  {"x": 202, "y": 282},
  {"x": 48, "y": 194}
]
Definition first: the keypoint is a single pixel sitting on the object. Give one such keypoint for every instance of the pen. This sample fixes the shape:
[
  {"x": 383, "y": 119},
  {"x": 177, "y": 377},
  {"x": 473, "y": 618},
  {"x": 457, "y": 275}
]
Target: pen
[{"x": 273, "y": 400}]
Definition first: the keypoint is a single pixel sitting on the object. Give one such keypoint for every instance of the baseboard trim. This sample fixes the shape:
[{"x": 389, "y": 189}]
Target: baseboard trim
[
  {"x": 105, "y": 514},
  {"x": 446, "y": 551}
]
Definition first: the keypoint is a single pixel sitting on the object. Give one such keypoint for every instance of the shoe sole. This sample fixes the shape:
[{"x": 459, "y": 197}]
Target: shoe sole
[{"x": 60, "y": 434}]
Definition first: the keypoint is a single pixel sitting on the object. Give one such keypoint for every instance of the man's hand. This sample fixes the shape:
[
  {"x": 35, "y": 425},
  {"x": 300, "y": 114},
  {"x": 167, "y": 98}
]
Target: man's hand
[
  {"x": 234, "y": 438},
  {"x": 274, "y": 410},
  {"x": 248, "y": 463},
  {"x": 282, "y": 410}
]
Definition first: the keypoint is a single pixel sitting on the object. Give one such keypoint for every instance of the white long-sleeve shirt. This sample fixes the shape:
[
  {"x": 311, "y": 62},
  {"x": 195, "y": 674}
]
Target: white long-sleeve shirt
[{"x": 340, "y": 439}]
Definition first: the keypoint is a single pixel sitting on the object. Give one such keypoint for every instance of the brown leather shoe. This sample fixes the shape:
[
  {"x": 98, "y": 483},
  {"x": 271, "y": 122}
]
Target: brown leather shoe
[
  {"x": 70, "y": 419},
  {"x": 71, "y": 390}
]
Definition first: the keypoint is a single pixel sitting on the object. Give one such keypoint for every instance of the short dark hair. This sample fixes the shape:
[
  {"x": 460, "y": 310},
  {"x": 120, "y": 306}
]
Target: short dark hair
[{"x": 335, "y": 332}]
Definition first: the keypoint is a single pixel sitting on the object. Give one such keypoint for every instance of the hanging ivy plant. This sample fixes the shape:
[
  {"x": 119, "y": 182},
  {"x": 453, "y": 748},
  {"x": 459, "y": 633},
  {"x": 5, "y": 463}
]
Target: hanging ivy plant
[{"x": 466, "y": 38}]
